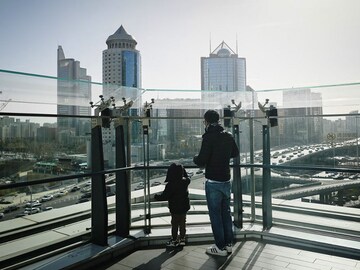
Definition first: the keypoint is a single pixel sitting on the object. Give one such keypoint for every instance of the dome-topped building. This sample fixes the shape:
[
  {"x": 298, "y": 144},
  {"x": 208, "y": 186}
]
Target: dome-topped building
[
  {"x": 121, "y": 60},
  {"x": 223, "y": 50},
  {"x": 121, "y": 75},
  {"x": 223, "y": 53},
  {"x": 121, "y": 39},
  {"x": 223, "y": 70}
]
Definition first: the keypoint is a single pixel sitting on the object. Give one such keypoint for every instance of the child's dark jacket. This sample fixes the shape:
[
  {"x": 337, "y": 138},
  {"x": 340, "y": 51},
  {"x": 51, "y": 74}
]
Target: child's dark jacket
[{"x": 177, "y": 195}]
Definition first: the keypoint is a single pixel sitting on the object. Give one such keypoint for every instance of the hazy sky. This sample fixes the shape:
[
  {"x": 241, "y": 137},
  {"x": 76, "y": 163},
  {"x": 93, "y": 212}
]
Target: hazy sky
[{"x": 286, "y": 43}]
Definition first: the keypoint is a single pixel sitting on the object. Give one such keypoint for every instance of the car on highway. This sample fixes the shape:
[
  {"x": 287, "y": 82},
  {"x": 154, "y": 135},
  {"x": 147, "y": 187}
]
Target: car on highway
[
  {"x": 156, "y": 183},
  {"x": 74, "y": 188},
  {"x": 338, "y": 177},
  {"x": 353, "y": 176},
  {"x": 81, "y": 200},
  {"x": 46, "y": 198},
  {"x": 2, "y": 215},
  {"x": 86, "y": 189},
  {"x": 86, "y": 195},
  {"x": 60, "y": 193},
  {"x": 32, "y": 210},
  {"x": 11, "y": 208},
  {"x": 3, "y": 201},
  {"x": 139, "y": 186},
  {"x": 35, "y": 203}
]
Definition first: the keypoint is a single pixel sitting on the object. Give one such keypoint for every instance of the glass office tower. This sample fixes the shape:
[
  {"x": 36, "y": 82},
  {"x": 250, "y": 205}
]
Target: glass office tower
[
  {"x": 223, "y": 70},
  {"x": 73, "y": 95}
]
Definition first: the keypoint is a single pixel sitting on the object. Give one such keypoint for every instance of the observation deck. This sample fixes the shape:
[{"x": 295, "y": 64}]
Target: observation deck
[{"x": 128, "y": 230}]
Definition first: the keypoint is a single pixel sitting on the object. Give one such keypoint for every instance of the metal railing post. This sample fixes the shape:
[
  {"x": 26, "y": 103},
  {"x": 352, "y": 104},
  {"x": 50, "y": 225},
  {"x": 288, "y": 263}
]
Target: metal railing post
[
  {"x": 122, "y": 194},
  {"x": 147, "y": 204},
  {"x": 266, "y": 180},
  {"x": 237, "y": 188},
  {"x": 252, "y": 174},
  {"x": 99, "y": 210}
]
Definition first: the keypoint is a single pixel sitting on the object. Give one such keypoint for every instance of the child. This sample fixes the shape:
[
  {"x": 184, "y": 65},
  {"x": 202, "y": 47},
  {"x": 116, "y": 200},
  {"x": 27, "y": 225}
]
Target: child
[{"x": 177, "y": 195}]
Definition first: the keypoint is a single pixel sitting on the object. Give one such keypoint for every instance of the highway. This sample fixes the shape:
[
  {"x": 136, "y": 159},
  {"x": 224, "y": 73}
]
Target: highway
[
  {"x": 300, "y": 192},
  {"x": 326, "y": 183}
]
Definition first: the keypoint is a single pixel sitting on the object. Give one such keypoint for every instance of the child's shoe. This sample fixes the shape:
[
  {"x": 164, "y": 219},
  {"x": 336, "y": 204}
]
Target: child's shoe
[
  {"x": 182, "y": 241},
  {"x": 172, "y": 243}
]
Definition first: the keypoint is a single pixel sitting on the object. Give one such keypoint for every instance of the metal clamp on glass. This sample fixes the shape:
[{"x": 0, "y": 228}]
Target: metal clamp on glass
[{"x": 108, "y": 110}]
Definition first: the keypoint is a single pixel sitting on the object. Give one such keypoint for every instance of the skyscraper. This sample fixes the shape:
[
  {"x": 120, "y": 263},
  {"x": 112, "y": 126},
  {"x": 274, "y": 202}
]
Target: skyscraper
[
  {"x": 223, "y": 70},
  {"x": 302, "y": 130},
  {"x": 121, "y": 60},
  {"x": 122, "y": 69},
  {"x": 73, "y": 96},
  {"x": 121, "y": 78}
]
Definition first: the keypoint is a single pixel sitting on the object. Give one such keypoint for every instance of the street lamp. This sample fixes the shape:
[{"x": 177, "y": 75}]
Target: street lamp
[{"x": 331, "y": 138}]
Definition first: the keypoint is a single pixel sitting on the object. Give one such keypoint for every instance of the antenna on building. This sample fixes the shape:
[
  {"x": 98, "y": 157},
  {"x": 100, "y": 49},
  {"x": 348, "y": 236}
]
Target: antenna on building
[
  {"x": 210, "y": 42},
  {"x": 237, "y": 45}
]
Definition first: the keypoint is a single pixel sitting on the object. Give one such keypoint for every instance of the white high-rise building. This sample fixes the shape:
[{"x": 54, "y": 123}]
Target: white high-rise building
[
  {"x": 121, "y": 61},
  {"x": 121, "y": 79}
]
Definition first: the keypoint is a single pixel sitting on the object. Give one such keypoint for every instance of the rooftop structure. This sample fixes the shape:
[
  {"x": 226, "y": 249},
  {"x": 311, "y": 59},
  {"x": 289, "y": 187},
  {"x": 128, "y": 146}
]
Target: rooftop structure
[{"x": 223, "y": 70}]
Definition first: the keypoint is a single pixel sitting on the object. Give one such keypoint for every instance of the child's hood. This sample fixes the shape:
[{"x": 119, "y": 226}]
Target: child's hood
[{"x": 175, "y": 173}]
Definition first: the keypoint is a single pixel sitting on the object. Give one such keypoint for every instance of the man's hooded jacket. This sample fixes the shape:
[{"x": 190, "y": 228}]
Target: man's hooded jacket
[{"x": 217, "y": 148}]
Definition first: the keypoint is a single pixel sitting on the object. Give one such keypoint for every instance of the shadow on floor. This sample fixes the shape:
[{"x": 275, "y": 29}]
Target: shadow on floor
[{"x": 156, "y": 263}]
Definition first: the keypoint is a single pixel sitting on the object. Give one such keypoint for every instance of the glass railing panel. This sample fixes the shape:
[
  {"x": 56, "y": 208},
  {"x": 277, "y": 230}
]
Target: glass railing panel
[
  {"x": 322, "y": 99},
  {"x": 40, "y": 198},
  {"x": 201, "y": 100},
  {"x": 308, "y": 117},
  {"x": 33, "y": 150},
  {"x": 171, "y": 140},
  {"x": 322, "y": 170},
  {"x": 32, "y": 93}
]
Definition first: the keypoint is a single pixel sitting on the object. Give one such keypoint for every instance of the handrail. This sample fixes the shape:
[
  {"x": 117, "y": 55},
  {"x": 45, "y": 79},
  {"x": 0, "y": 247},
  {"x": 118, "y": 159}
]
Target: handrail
[{"x": 69, "y": 177}]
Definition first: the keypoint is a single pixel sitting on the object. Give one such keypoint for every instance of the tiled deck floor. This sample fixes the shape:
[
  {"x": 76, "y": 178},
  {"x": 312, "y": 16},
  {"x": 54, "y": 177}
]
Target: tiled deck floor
[{"x": 246, "y": 255}]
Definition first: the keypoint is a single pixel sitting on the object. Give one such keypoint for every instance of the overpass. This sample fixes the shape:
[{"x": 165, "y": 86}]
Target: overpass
[{"x": 323, "y": 188}]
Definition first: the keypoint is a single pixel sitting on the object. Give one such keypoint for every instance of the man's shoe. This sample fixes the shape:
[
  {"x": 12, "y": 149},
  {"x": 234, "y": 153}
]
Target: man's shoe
[
  {"x": 228, "y": 248},
  {"x": 172, "y": 243},
  {"x": 214, "y": 250}
]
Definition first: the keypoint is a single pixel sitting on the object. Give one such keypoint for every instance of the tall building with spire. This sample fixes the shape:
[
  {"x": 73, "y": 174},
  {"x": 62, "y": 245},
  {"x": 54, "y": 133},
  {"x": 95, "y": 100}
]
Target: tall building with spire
[
  {"x": 121, "y": 60},
  {"x": 73, "y": 97},
  {"x": 122, "y": 69},
  {"x": 223, "y": 70},
  {"x": 121, "y": 73}
]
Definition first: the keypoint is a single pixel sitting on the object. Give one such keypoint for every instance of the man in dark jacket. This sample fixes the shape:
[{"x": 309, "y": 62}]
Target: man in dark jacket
[
  {"x": 217, "y": 148},
  {"x": 177, "y": 195}
]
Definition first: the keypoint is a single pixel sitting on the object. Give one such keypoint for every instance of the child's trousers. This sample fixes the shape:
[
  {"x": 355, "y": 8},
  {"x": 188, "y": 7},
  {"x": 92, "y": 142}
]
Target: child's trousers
[{"x": 178, "y": 223}]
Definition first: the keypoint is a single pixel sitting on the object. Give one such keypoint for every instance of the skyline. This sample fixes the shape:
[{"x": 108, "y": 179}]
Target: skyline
[{"x": 306, "y": 42}]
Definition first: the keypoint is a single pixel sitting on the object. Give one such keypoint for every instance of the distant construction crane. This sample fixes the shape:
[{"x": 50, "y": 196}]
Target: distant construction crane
[{"x": 2, "y": 106}]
